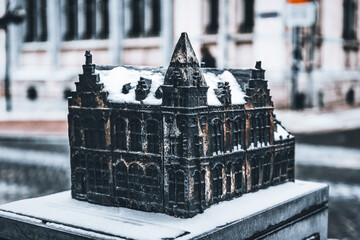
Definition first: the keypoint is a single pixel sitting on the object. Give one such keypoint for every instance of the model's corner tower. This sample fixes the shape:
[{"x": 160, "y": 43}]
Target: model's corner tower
[
  {"x": 184, "y": 101},
  {"x": 88, "y": 134}
]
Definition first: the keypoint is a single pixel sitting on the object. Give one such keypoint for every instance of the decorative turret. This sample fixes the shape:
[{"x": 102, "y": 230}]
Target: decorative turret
[{"x": 184, "y": 73}]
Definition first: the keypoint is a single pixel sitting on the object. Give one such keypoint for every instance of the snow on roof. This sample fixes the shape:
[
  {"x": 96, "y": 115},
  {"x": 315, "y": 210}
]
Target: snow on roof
[
  {"x": 237, "y": 94},
  {"x": 281, "y": 133},
  {"x": 128, "y": 223},
  {"x": 115, "y": 78}
]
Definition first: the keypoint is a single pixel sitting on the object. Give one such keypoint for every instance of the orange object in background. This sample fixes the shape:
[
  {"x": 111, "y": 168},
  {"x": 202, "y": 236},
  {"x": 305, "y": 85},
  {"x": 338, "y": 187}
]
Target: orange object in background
[{"x": 298, "y": 1}]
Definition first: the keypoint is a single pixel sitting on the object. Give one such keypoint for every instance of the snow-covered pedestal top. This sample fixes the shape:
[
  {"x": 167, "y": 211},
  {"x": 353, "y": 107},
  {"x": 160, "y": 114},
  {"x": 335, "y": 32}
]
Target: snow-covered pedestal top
[{"x": 274, "y": 206}]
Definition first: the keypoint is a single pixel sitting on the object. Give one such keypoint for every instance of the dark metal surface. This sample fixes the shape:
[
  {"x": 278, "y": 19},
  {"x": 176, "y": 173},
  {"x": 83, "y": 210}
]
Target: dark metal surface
[{"x": 177, "y": 157}]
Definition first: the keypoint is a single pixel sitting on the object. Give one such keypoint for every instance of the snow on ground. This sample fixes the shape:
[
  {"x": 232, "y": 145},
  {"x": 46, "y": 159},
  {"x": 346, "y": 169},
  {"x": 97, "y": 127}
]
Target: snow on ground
[
  {"x": 143, "y": 225},
  {"x": 311, "y": 121},
  {"x": 33, "y": 157},
  {"x": 330, "y": 156}
]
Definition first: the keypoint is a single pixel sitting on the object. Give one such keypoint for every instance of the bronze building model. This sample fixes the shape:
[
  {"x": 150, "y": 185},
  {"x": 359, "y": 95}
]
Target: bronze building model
[{"x": 174, "y": 140}]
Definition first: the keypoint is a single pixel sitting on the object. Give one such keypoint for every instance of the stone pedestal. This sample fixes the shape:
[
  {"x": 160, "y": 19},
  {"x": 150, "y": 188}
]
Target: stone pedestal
[{"x": 288, "y": 211}]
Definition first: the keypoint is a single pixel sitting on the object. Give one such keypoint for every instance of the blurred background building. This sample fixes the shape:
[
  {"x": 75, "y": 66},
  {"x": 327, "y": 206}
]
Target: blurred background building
[{"x": 47, "y": 49}]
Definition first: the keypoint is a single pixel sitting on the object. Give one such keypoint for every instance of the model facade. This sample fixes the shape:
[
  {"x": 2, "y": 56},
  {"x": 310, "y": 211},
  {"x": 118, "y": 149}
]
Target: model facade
[{"x": 174, "y": 140}]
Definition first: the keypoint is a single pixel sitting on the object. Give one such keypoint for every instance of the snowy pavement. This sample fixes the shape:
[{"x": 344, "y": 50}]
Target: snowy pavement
[
  {"x": 328, "y": 156},
  {"x": 315, "y": 121}
]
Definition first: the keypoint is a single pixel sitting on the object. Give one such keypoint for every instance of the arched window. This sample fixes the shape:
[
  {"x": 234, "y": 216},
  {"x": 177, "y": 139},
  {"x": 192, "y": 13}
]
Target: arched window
[
  {"x": 217, "y": 182},
  {"x": 136, "y": 179},
  {"x": 120, "y": 134},
  {"x": 228, "y": 136},
  {"x": 217, "y": 137},
  {"x": 90, "y": 132},
  {"x": 152, "y": 128},
  {"x": 238, "y": 176},
  {"x": 121, "y": 180},
  {"x": 135, "y": 134},
  {"x": 152, "y": 187},
  {"x": 197, "y": 188},
  {"x": 98, "y": 175},
  {"x": 228, "y": 178},
  {"x": 176, "y": 186},
  {"x": 255, "y": 172}
]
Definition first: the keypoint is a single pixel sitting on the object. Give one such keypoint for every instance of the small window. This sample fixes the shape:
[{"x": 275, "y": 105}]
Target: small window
[
  {"x": 216, "y": 137},
  {"x": 247, "y": 16},
  {"x": 213, "y": 24},
  {"x": 90, "y": 19},
  {"x": 197, "y": 188},
  {"x": 136, "y": 179},
  {"x": 152, "y": 128},
  {"x": 137, "y": 18},
  {"x": 255, "y": 169},
  {"x": 155, "y": 18},
  {"x": 217, "y": 182},
  {"x": 71, "y": 13},
  {"x": 104, "y": 19},
  {"x": 120, "y": 134},
  {"x": 152, "y": 184},
  {"x": 135, "y": 135},
  {"x": 238, "y": 175},
  {"x": 228, "y": 178},
  {"x": 121, "y": 180},
  {"x": 349, "y": 22},
  {"x": 90, "y": 132},
  {"x": 176, "y": 186}
]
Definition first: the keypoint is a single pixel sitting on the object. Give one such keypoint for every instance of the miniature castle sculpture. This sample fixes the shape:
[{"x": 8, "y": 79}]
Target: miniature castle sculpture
[{"x": 174, "y": 140}]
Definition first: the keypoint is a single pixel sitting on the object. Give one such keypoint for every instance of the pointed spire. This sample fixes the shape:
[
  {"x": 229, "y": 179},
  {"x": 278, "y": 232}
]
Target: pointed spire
[
  {"x": 184, "y": 54},
  {"x": 184, "y": 69}
]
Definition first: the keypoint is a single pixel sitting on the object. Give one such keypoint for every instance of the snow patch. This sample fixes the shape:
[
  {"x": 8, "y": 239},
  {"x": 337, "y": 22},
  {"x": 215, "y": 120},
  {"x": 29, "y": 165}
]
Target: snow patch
[
  {"x": 114, "y": 80},
  {"x": 281, "y": 133},
  {"x": 212, "y": 80}
]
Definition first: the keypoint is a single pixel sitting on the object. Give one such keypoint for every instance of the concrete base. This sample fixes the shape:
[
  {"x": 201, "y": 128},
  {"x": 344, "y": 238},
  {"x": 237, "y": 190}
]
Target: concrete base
[{"x": 289, "y": 211}]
